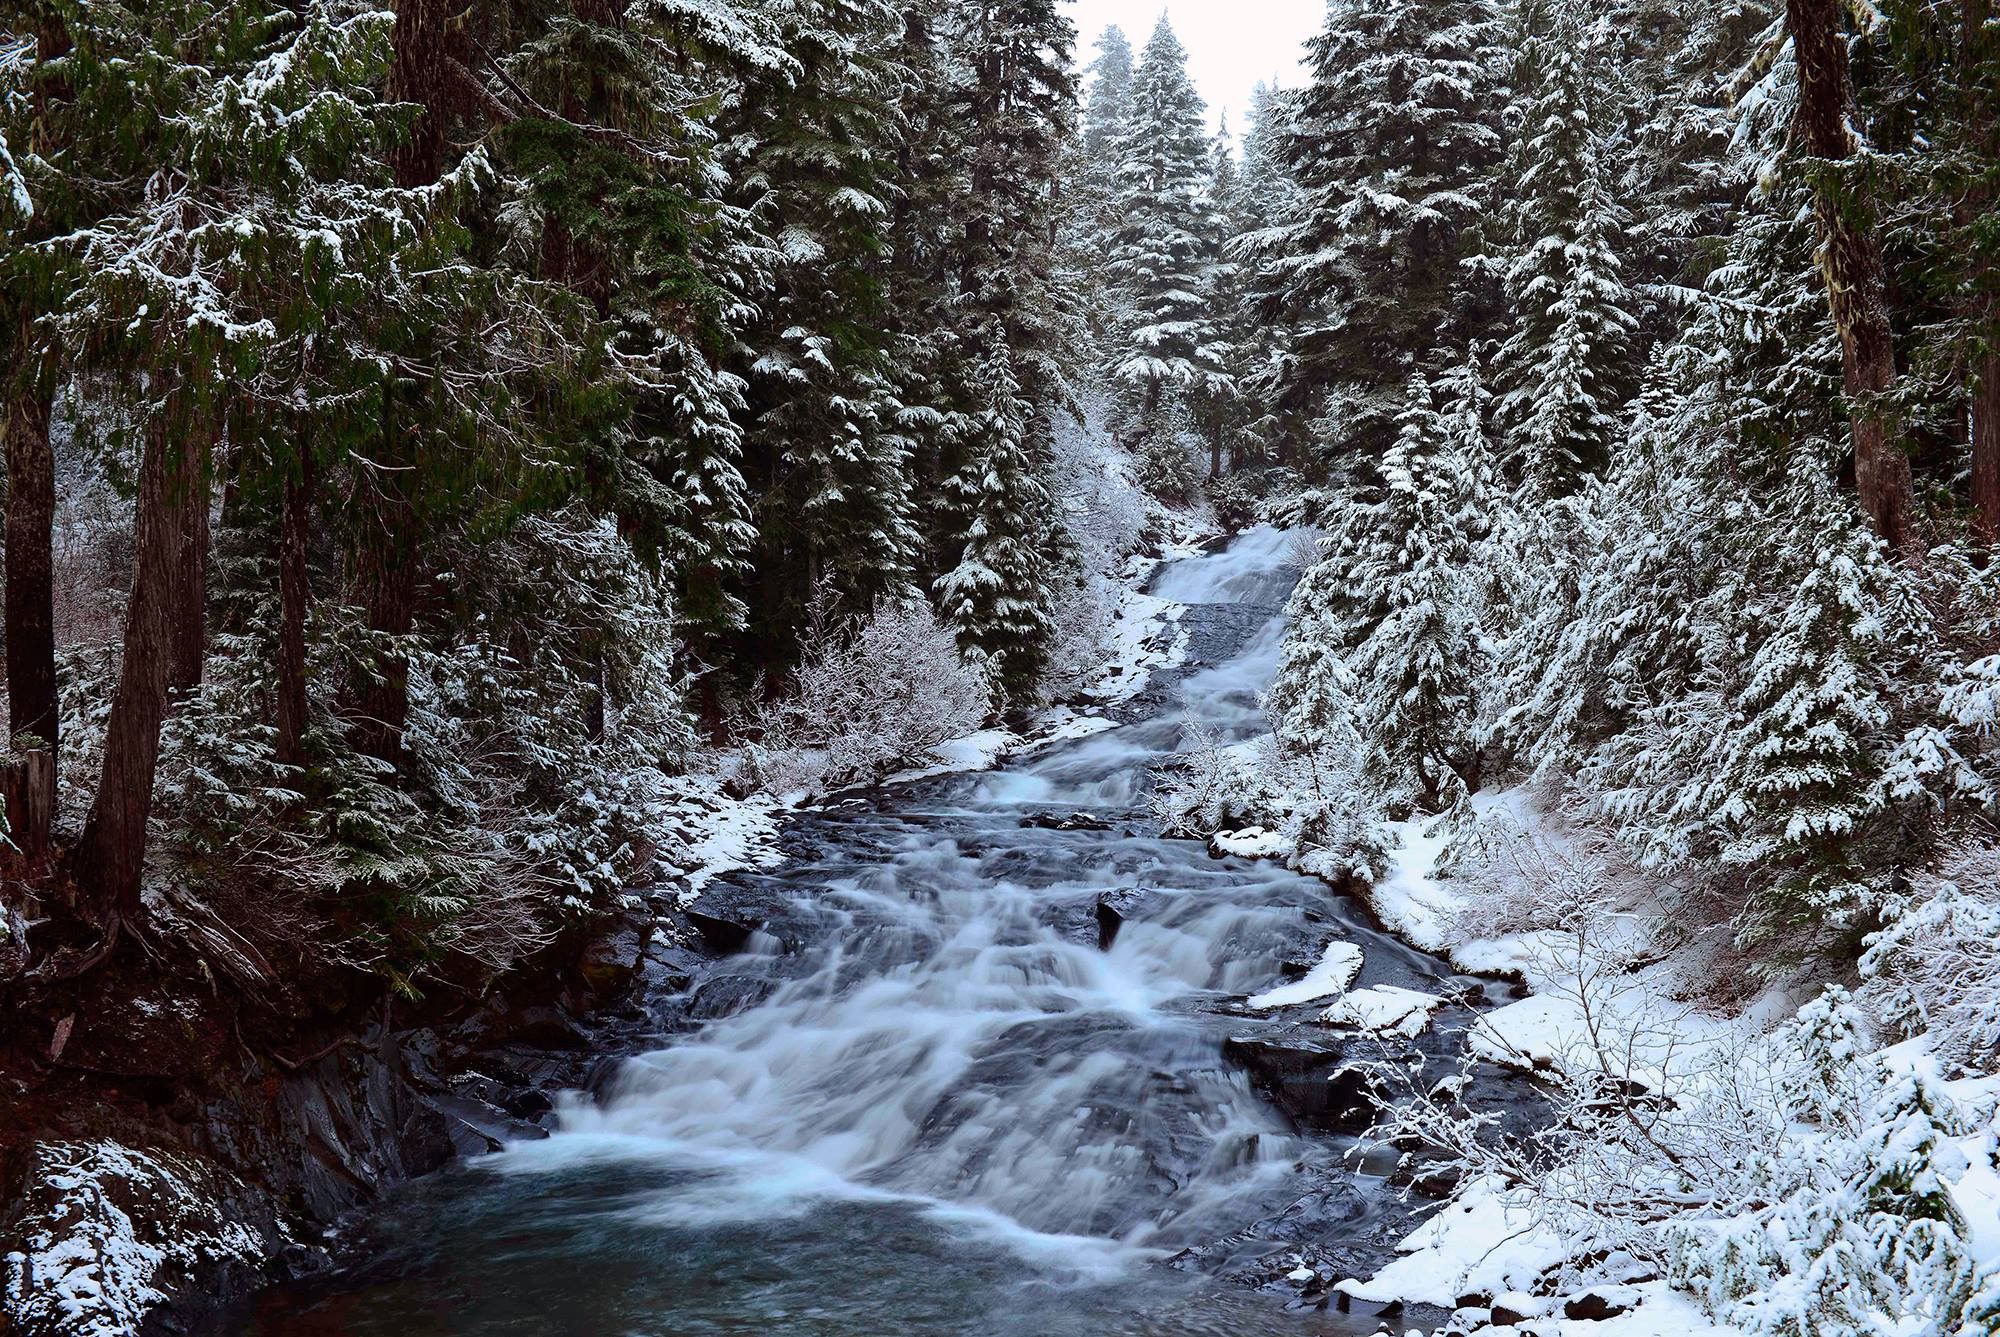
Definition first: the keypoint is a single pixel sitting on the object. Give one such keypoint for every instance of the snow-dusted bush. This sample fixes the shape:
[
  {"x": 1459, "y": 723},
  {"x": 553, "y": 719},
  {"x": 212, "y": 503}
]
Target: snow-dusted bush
[
  {"x": 1936, "y": 966},
  {"x": 1793, "y": 1184},
  {"x": 1081, "y": 612},
  {"x": 1314, "y": 804},
  {"x": 869, "y": 696},
  {"x": 1843, "y": 1223}
]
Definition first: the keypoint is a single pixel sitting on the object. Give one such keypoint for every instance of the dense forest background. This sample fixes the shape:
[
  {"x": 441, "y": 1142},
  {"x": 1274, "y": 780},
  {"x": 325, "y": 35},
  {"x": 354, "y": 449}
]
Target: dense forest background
[{"x": 492, "y": 408}]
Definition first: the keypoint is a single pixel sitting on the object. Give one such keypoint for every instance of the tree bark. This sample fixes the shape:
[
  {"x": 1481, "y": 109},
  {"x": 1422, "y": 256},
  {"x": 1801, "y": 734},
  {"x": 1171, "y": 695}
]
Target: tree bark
[
  {"x": 294, "y": 597},
  {"x": 1983, "y": 130},
  {"x": 31, "y": 508},
  {"x": 32, "y": 703},
  {"x": 1851, "y": 263},
  {"x": 190, "y": 593},
  {"x": 385, "y": 585},
  {"x": 385, "y": 581},
  {"x": 111, "y": 856}
]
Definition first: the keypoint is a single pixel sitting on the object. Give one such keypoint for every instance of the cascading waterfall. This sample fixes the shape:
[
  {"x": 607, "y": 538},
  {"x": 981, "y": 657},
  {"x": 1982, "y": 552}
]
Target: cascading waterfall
[{"x": 934, "y": 1101}]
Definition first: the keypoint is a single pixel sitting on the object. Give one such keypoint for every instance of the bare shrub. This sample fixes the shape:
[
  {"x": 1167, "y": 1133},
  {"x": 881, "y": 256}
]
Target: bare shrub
[
  {"x": 1082, "y": 616},
  {"x": 869, "y": 696}
]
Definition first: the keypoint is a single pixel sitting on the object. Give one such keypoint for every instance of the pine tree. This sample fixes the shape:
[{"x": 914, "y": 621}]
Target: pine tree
[
  {"x": 1109, "y": 110},
  {"x": 1419, "y": 668},
  {"x": 258, "y": 272},
  {"x": 1015, "y": 106},
  {"x": 1274, "y": 426},
  {"x": 1563, "y": 373},
  {"x": 1163, "y": 245},
  {"x": 621, "y": 180},
  {"x": 997, "y": 597},
  {"x": 1392, "y": 147},
  {"x": 807, "y": 145},
  {"x": 1800, "y": 779}
]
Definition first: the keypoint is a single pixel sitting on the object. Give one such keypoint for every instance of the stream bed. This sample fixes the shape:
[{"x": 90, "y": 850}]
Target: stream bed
[{"x": 966, "y": 1073}]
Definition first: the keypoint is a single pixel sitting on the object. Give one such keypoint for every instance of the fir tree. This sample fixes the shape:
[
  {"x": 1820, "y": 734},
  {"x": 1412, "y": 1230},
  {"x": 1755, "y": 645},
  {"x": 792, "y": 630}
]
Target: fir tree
[
  {"x": 1109, "y": 109},
  {"x": 1163, "y": 244},
  {"x": 1419, "y": 667},
  {"x": 1391, "y": 147},
  {"x": 1562, "y": 373},
  {"x": 807, "y": 145},
  {"x": 997, "y": 597}
]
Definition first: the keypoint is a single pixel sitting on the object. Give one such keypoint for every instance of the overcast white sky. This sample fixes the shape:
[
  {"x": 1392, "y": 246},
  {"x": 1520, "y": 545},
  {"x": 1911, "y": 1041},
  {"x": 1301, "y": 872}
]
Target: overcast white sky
[{"x": 1231, "y": 44}]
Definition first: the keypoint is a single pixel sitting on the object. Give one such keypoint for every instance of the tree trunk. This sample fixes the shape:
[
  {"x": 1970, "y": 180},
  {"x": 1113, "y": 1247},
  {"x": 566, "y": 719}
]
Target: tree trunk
[
  {"x": 32, "y": 704},
  {"x": 1986, "y": 431},
  {"x": 111, "y": 856},
  {"x": 31, "y": 509},
  {"x": 386, "y": 565},
  {"x": 294, "y": 596},
  {"x": 420, "y": 72},
  {"x": 385, "y": 585},
  {"x": 190, "y": 593},
  {"x": 1851, "y": 262},
  {"x": 1983, "y": 130}
]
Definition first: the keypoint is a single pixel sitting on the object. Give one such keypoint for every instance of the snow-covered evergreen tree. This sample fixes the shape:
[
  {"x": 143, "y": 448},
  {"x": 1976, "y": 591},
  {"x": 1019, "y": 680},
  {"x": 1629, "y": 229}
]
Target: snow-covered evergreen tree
[
  {"x": 1392, "y": 147},
  {"x": 805, "y": 144},
  {"x": 1418, "y": 670},
  {"x": 1108, "y": 111},
  {"x": 1860, "y": 1234},
  {"x": 1163, "y": 243},
  {"x": 1564, "y": 372},
  {"x": 997, "y": 598}
]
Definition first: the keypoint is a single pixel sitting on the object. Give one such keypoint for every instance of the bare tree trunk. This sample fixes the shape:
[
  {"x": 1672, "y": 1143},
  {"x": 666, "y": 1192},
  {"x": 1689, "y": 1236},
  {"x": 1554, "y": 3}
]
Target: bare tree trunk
[
  {"x": 385, "y": 585},
  {"x": 33, "y": 710},
  {"x": 386, "y": 564},
  {"x": 1984, "y": 131},
  {"x": 111, "y": 856},
  {"x": 190, "y": 592},
  {"x": 31, "y": 508},
  {"x": 1851, "y": 262},
  {"x": 294, "y": 596}
]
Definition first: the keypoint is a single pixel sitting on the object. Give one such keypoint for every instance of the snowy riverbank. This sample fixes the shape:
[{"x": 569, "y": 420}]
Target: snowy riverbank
[{"x": 1630, "y": 1017}]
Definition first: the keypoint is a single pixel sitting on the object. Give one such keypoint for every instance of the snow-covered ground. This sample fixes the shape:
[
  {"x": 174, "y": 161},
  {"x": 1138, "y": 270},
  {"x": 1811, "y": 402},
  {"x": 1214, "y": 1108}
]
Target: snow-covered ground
[{"x": 1610, "y": 995}]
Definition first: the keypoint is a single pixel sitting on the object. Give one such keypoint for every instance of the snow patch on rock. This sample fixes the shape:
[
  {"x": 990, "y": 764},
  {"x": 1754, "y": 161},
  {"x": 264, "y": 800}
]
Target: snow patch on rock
[{"x": 1332, "y": 974}]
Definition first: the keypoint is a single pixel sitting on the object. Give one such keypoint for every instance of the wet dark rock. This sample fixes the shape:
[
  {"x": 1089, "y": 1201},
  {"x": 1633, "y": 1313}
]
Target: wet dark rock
[
  {"x": 730, "y": 911},
  {"x": 166, "y": 1033},
  {"x": 1302, "y": 1068},
  {"x": 1427, "y": 1179},
  {"x": 1505, "y": 1315},
  {"x": 546, "y": 1027},
  {"x": 726, "y": 995},
  {"x": 1329, "y": 1205},
  {"x": 1072, "y": 821},
  {"x": 727, "y": 935},
  {"x": 1116, "y": 908},
  {"x": 1593, "y": 1307},
  {"x": 610, "y": 961}
]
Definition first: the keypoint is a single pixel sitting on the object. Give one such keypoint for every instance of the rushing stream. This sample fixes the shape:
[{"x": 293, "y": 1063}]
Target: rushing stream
[{"x": 929, "y": 1098}]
